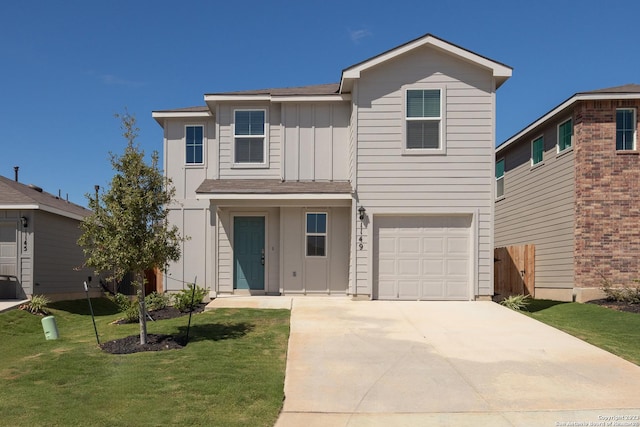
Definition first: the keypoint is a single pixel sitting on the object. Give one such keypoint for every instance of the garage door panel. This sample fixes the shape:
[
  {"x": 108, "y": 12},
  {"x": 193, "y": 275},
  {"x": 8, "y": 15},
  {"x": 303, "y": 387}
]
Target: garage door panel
[
  {"x": 409, "y": 245},
  {"x": 409, "y": 267},
  {"x": 423, "y": 257},
  {"x": 409, "y": 289},
  {"x": 431, "y": 267}
]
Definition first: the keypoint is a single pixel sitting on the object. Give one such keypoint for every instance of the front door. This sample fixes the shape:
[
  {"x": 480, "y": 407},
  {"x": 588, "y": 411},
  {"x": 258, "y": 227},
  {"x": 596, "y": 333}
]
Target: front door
[{"x": 248, "y": 252}]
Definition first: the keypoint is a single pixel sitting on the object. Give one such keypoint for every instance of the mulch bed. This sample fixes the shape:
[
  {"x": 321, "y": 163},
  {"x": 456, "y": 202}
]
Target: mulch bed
[
  {"x": 617, "y": 305},
  {"x": 155, "y": 342}
]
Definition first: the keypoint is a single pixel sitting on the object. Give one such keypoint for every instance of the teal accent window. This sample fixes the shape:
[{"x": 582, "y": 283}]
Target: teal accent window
[
  {"x": 423, "y": 119},
  {"x": 316, "y": 234},
  {"x": 626, "y": 129},
  {"x": 249, "y": 133},
  {"x": 194, "y": 144},
  {"x": 537, "y": 151},
  {"x": 500, "y": 178},
  {"x": 565, "y": 135}
]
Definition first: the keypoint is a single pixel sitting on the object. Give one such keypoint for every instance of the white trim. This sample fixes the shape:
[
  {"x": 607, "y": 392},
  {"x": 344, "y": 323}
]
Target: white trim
[
  {"x": 570, "y": 146},
  {"x": 635, "y": 128},
  {"x": 46, "y": 208},
  {"x": 296, "y": 196},
  {"x": 180, "y": 114},
  {"x": 264, "y": 136},
  {"x": 559, "y": 108},
  {"x": 325, "y": 234},
  {"x": 204, "y": 154},
  {"x": 541, "y": 162},
  {"x": 278, "y": 98},
  {"x": 442, "y": 149}
]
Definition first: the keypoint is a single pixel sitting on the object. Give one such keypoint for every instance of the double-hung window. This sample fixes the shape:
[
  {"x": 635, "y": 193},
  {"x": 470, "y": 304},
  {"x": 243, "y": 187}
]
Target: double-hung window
[
  {"x": 249, "y": 136},
  {"x": 537, "y": 151},
  {"x": 499, "y": 178},
  {"x": 423, "y": 120},
  {"x": 565, "y": 135},
  {"x": 194, "y": 145},
  {"x": 316, "y": 234},
  {"x": 625, "y": 129}
]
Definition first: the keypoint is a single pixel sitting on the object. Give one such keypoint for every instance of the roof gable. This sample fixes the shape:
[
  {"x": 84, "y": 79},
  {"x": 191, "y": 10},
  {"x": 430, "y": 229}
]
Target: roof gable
[{"x": 500, "y": 71}]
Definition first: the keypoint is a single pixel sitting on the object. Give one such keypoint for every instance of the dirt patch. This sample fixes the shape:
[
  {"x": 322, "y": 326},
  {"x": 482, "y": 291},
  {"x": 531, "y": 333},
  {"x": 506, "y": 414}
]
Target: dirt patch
[
  {"x": 155, "y": 342},
  {"x": 617, "y": 305}
]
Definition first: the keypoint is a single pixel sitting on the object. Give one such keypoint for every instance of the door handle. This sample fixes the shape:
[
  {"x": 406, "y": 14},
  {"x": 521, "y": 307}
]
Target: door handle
[{"x": 262, "y": 257}]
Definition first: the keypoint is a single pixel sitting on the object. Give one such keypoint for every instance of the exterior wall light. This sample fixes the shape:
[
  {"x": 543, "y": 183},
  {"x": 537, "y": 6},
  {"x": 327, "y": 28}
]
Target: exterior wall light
[
  {"x": 24, "y": 221},
  {"x": 361, "y": 211}
]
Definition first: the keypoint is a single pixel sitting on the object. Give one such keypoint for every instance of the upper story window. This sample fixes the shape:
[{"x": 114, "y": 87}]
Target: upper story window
[
  {"x": 625, "y": 129},
  {"x": 565, "y": 135},
  {"x": 316, "y": 234},
  {"x": 537, "y": 151},
  {"x": 194, "y": 145},
  {"x": 500, "y": 178},
  {"x": 249, "y": 136},
  {"x": 423, "y": 116}
]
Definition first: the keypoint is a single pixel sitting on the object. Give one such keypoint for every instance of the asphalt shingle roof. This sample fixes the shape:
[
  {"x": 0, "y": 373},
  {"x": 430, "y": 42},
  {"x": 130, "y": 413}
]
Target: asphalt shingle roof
[{"x": 272, "y": 186}]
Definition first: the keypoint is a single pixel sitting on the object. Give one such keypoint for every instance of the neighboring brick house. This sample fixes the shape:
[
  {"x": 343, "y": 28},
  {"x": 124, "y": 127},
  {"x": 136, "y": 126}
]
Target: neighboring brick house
[
  {"x": 377, "y": 186},
  {"x": 570, "y": 184}
]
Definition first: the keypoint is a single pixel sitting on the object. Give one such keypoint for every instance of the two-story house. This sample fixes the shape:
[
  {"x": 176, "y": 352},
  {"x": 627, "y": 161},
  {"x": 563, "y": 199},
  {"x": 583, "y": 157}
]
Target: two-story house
[
  {"x": 378, "y": 186},
  {"x": 569, "y": 183}
]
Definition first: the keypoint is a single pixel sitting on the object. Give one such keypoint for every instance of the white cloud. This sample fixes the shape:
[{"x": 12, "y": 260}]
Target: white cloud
[{"x": 357, "y": 35}]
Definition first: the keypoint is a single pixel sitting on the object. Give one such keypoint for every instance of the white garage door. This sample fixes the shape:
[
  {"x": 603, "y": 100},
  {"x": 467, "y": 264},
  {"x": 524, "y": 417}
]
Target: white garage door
[{"x": 422, "y": 257}]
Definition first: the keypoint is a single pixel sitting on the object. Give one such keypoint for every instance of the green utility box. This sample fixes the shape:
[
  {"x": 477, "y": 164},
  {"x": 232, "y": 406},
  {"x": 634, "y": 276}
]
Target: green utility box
[{"x": 50, "y": 328}]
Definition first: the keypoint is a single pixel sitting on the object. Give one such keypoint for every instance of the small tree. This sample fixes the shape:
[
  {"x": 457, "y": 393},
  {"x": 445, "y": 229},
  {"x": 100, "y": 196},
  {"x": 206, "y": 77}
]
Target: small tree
[{"x": 128, "y": 230}]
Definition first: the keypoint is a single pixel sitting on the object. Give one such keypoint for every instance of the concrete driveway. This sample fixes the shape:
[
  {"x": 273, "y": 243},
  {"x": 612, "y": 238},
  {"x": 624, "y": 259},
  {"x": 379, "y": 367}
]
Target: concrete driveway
[{"x": 376, "y": 363}]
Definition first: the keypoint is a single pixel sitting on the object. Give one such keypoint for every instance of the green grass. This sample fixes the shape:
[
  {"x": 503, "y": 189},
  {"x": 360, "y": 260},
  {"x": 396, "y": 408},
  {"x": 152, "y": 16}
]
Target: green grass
[
  {"x": 615, "y": 331},
  {"x": 230, "y": 374}
]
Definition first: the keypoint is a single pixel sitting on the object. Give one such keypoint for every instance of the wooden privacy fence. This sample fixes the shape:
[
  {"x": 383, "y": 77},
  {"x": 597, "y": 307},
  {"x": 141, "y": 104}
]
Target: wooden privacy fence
[{"x": 514, "y": 270}]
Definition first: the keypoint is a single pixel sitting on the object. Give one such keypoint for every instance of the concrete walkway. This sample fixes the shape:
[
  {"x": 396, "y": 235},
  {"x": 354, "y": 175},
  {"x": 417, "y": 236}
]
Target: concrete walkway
[
  {"x": 376, "y": 363},
  {"x": 8, "y": 304}
]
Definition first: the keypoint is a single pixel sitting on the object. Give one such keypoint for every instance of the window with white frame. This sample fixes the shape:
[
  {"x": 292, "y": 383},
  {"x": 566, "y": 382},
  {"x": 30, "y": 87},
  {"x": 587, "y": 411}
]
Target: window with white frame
[
  {"x": 423, "y": 116},
  {"x": 537, "y": 151},
  {"x": 194, "y": 144},
  {"x": 565, "y": 135},
  {"x": 500, "y": 178},
  {"x": 316, "y": 234},
  {"x": 249, "y": 136},
  {"x": 626, "y": 129}
]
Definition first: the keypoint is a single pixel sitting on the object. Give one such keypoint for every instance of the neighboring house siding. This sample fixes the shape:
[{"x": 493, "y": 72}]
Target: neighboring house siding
[
  {"x": 458, "y": 182},
  {"x": 24, "y": 258},
  {"x": 58, "y": 259},
  {"x": 315, "y": 140},
  {"x": 537, "y": 207},
  {"x": 607, "y": 198}
]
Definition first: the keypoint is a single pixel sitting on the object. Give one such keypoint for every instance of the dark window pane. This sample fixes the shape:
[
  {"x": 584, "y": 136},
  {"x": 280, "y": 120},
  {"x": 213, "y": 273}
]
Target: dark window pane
[
  {"x": 194, "y": 147},
  {"x": 316, "y": 245},
  {"x": 316, "y": 223},
  {"x": 249, "y": 122},
  {"x": 625, "y": 129},
  {"x": 249, "y": 150},
  {"x": 423, "y": 134},
  {"x": 499, "y": 168},
  {"x": 537, "y": 150},
  {"x": 565, "y": 133},
  {"x": 423, "y": 103}
]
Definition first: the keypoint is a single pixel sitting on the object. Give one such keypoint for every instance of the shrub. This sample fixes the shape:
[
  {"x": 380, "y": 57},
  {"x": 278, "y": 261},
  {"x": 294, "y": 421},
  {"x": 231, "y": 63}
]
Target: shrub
[
  {"x": 182, "y": 300},
  {"x": 516, "y": 302},
  {"x": 625, "y": 293},
  {"x": 37, "y": 305},
  {"x": 127, "y": 306},
  {"x": 156, "y": 301}
]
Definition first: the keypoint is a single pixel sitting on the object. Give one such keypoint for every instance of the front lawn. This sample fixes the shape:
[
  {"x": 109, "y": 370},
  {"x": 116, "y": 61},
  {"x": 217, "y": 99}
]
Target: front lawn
[
  {"x": 615, "y": 331},
  {"x": 230, "y": 374}
]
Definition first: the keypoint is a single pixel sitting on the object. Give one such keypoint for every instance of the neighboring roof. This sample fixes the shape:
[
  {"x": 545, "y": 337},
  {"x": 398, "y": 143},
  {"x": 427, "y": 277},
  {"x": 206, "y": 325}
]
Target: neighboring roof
[
  {"x": 628, "y": 91},
  {"x": 271, "y": 188},
  {"x": 501, "y": 72},
  {"x": 15, "y": 195},
  {"x": 324, "y": 89}
]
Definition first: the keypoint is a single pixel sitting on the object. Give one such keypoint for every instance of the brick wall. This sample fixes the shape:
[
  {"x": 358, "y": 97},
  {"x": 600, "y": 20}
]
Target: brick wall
[{"x": 607, "y": 208}]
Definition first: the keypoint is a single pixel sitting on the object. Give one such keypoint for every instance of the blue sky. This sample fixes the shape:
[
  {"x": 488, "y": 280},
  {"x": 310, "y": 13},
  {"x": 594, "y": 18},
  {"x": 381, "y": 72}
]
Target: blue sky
[{"x": 68, "y": 66}]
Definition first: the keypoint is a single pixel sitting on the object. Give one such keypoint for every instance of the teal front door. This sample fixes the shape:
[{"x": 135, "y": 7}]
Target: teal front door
[{"x": 248, "y": 252}]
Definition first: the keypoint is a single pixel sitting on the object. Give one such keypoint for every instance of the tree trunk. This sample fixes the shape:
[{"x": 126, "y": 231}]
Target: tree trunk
[{"x": 143, "y": 309}]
